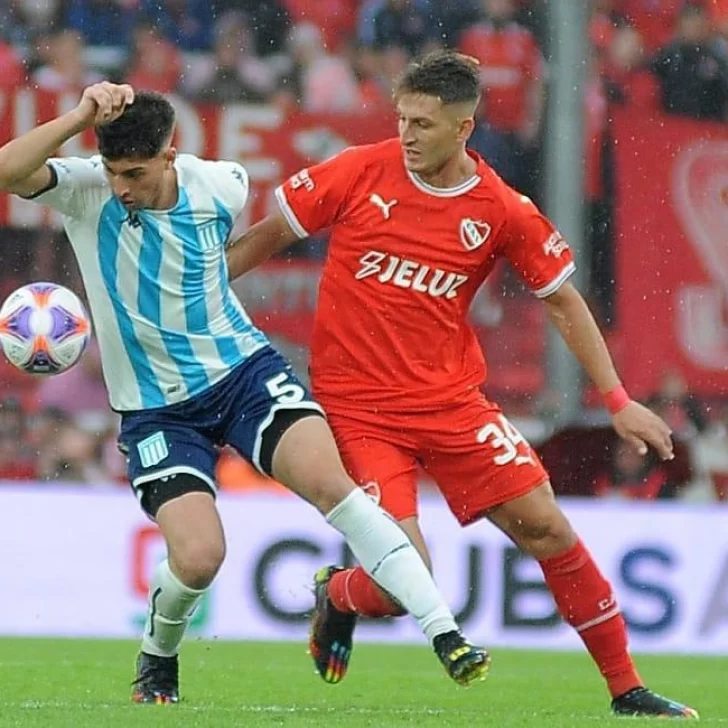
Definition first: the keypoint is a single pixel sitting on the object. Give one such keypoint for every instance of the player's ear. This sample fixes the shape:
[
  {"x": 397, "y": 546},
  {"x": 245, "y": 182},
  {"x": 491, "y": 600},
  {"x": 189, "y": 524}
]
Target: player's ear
[
  {"x": 170, "y": 155},
  {"x": 465, "y": 129}
]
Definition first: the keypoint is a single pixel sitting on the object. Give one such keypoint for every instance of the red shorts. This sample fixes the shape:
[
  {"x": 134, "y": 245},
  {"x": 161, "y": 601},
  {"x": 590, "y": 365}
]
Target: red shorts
[{"x": 477, "y": 458}]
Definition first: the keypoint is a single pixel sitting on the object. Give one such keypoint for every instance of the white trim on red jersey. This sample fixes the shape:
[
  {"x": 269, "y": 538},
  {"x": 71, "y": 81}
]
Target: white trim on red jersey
[
  {"x": 288, "y": 213},
  {"x": 557, "y": 282},
  {"x": 461, "y": 189}
]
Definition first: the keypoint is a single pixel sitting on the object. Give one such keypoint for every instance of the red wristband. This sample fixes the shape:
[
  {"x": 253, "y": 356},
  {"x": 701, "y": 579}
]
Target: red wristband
[{"x": 615, "y": 400}]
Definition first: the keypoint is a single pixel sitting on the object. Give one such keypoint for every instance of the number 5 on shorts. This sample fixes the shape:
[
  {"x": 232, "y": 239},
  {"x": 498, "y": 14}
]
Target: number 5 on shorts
[
  {"x": 506, "y": 438},
  {"x": 283, "y": 391}
]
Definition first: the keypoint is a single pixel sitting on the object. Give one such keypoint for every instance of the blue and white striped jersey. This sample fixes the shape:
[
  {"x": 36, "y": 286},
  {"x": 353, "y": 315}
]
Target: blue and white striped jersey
[{"x": 167, "y": 322}]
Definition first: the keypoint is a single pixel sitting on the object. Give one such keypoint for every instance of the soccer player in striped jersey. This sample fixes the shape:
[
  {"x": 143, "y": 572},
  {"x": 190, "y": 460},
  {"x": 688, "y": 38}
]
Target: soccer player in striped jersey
[{"x": 188, "y": 370}]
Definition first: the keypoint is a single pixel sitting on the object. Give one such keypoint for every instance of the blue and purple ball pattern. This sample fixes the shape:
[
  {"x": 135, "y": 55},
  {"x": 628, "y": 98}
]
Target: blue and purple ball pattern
[{"x": 44, "y": 328}]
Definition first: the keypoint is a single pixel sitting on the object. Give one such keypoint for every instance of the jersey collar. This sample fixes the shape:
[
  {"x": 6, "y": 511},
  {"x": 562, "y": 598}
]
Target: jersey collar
[{"x": 456, "y": 191}]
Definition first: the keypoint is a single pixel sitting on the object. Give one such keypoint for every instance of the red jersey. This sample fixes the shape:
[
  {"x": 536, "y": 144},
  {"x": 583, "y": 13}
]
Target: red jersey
[
  {"x": 510, "y": 61},
  {"x": 405, "y": 259},
  {"x": 654, "y": 19}
]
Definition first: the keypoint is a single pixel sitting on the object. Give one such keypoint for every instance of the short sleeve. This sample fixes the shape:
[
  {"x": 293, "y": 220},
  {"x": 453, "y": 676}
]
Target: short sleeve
[
  {"x": 230, "y": 184},
  {"x": 313, "y": 199},
  {"x": 534, "y": 246},
  {"x": 73, "y": 179}
]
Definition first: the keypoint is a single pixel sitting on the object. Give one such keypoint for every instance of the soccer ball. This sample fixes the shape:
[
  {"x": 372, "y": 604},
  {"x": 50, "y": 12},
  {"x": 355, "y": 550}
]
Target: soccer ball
[{"x": 44, "y": 328}]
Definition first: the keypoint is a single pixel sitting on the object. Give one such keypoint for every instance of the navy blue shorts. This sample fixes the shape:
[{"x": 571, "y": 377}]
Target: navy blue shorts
[{"x": 236, "y": 411}]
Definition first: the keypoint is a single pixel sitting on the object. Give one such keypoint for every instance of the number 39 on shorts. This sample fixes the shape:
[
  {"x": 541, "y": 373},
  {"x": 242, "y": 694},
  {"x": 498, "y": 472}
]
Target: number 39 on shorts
[
  {"x": 507, "y": 441},
  {"x": 283, "y": 391}
]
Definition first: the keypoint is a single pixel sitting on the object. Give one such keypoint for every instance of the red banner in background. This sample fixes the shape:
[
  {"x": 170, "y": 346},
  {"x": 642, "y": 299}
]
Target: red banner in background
[
  {"x": 672, "y": 257},
  {"x": 270, "y": 144}
]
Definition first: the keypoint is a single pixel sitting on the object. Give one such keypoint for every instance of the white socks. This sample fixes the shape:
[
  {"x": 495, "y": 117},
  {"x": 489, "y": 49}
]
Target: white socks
[
  {"x": 388, "y": 556},
  {"x": 170, "y": 605}
]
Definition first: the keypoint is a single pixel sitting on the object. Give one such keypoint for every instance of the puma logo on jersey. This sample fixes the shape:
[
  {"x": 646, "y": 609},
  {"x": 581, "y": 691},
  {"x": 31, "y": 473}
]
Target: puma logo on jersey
[
  {"x": 405, "y": 273},
  {"x": 385, "y": 207}
]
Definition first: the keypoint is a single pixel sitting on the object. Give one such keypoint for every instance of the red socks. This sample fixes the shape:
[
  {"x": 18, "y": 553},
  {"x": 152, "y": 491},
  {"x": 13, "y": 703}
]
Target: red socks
[
  {"x": 585, "y": 600},
  {"x": 354, "y": 592}
]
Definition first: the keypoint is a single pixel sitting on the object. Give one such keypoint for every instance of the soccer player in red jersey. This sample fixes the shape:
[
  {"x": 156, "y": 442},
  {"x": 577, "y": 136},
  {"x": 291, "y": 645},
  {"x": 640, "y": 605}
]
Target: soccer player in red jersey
[{"x": 417, "y": 224}]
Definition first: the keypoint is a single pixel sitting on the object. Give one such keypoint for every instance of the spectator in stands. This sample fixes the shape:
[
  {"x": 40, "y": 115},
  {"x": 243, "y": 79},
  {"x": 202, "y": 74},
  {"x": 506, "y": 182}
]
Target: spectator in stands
[
  {"x": 71, "y": 455},
  {"x": 631, "y": 476},
  {"x": 692, "y": 70},
  {"x": 718, "y": 11},
  {"x": 185, "y": 23},
  {"x": 513, "y": 105},
  {"x": 66, "y": 68},
  {"x": 27, "y": 19},
  {"x": 102, "y": 22},
  {"x": 12, "y": 420},
  {"x": 15, "y": 459},
  {"x": 615, "y": 76},
  {"x": 269, "y": 22},
  {"x": 335, "y": 18},
  {"x": 366, "y": 67},
  {"x": 597, "y": 193},
  {"x": 402, "y": 23},
  {"x": 237, "y": 75},
  {"x": 13, "y": 465},
  {"x": 80, "y": 391},
  {"x": 320, "y": 82},
  {"x": 377, "y": 73},
  {"x": 155, "y": 63},
  {"x": 451, "y": 18},
  {"x": 66, "y": 450},
  {"x": 368, "y": 11},
  {"x": 711, "y": 454},
  {"x": 622, "y": 68},
  {"x": 42, "y": 425},
  {"x": 655, "y": 20},
  {"x": 681, "y": 409},
  {"x": 533, "y": 15},
  {"x": 13, "y": 72}
]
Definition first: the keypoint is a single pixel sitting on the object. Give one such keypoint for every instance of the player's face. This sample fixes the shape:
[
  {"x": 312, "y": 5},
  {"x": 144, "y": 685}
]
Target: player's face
[
  {"x": 431, "y": 133},
  {"x": 140, "y": 183}
]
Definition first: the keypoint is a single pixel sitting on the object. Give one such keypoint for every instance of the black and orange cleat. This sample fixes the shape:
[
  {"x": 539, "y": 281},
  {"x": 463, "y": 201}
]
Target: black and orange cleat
[
  {"x": 640, "y": 702},
  {"x": 331, "y": 635},
  {"x": 157, "y": 680},
  {"x": 464, "y": 663}
]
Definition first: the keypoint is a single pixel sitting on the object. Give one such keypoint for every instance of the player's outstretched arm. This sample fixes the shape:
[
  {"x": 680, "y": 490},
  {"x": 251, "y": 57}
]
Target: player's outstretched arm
[
  {"x": 636, "y": 424},
  {"x": 259, "y": 243},
  {"x": 23, "y": 169}
]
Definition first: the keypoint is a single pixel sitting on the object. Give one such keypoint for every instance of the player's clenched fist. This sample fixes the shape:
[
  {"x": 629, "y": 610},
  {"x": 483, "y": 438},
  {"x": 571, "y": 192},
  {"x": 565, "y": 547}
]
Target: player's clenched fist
[{"x": 104, "y": 102}]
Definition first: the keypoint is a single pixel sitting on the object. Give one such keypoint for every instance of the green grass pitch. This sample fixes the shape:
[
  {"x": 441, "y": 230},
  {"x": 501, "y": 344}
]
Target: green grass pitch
[{"x": 77, "y": 683}]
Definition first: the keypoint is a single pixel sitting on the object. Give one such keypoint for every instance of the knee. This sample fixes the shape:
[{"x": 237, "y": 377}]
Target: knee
[
  {"x": 543, "y": 538},
  {"x": 197, "y": 561},
  {"x": 329, "y": 492}
]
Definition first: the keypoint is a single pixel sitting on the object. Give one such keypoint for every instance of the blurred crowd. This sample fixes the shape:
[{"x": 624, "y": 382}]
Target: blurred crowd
[
  {"x": 342, "y": 56},
  {"x": 63, "y": 430}
]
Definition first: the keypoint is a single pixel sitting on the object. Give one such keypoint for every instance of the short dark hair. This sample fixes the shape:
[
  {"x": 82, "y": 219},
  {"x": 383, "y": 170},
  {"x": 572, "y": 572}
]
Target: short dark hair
[
  {"x": 451, "y": 76},
  {"x": 141, "y": 131}
]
